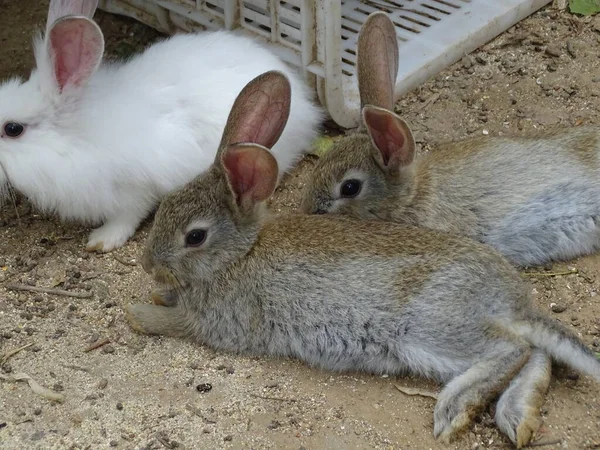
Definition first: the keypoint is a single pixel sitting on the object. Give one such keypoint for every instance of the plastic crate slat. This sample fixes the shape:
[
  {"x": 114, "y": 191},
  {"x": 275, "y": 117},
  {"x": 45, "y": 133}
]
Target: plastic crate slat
[{"x": 432, "y": 34}]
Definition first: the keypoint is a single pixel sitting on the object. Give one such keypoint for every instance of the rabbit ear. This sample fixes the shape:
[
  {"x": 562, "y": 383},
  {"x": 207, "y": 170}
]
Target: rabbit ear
[
  {"x": 377, "y": 61},
  {"x": 260, "y": 112},
  {"x": 393, "y": 141},
  {"x": 75, "y": 46},
  {"x": 252, "y": 172},
  {"x": 62, "y": 8}
]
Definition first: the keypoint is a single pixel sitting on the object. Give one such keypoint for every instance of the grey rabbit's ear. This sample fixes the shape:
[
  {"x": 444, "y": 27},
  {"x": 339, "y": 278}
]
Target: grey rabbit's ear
[
  {"x": 377, "y": 61},
  {"x": 75, "y": 46},
  {"x": 259, "y": 113},
  {"x": 393, "y": 142},
  {"x": 62, "y": 8},
  {"x": 251, "y": 171}
]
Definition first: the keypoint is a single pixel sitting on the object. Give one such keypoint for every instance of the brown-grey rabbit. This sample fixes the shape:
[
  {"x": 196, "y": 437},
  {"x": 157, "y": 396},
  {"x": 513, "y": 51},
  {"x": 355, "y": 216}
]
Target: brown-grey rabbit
[
  {"x": 535, "y": 199},
  {"x": 344, "y": 294}
]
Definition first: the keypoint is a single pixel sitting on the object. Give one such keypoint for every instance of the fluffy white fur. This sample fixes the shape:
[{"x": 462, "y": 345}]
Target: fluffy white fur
[{"x": 107, "y": 152}]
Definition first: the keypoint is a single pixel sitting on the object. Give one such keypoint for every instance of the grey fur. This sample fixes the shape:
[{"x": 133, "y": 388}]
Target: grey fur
[
  {"x": 342, "y": 294},
  {"x": 534, "y": 198}
]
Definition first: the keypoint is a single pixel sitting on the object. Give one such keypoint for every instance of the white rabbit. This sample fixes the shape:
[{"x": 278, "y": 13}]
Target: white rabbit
[{"x": 103, "y": 144}]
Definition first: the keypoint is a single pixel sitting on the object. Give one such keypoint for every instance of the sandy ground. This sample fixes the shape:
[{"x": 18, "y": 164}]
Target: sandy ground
[{"x": 145, "y": 392}]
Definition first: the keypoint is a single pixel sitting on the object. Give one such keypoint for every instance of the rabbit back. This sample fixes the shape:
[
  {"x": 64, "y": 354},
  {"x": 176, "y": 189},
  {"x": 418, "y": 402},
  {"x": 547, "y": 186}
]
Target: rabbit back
[{"x": 534, "y": 198}]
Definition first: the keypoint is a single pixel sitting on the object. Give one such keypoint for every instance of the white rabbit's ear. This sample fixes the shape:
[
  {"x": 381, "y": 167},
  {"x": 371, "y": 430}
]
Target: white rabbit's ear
[
  {"x": 393, "y": 141},
  {"x": 259, "y": 113},
  {"x": 252, "y": 172},
  {"x": 62, "y": 8},
  {"x": 377, "y": 61},
  {"x": 75, "y": 46}
]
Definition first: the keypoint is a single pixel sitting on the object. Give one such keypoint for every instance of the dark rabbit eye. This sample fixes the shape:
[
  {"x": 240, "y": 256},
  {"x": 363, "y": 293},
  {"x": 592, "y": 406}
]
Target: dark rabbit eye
[
  {"x": 195, "y": 238},
  {"x": 13, "y": 129},
  {"x": 350, "y": 188}
]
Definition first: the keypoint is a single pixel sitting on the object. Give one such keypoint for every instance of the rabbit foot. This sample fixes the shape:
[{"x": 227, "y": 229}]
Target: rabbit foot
[
  {"x": 448, "y": 428},
  {"x": 164, "y": 297},
  {"x": 157, "y": 320},
  {"x": 112, "y": 235},
  {"x": 518, "y": 409}
]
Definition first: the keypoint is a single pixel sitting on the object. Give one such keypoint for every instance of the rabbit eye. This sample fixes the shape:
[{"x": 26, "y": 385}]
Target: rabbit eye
[
  {"x": 195, "y": 238},
  {"x": 350, "y": 188},
  {"x": 13, "y": 129}
]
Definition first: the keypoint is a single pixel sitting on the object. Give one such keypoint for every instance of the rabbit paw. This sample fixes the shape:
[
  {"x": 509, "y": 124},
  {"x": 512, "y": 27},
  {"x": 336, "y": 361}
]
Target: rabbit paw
[
  {"x": 110, "y": 236},
  {"x": 132, "y": 317},
  {"x": 158, "y": 320},
  {"x": 449, "y": 421},
  {"x": 164, "y": 297}
]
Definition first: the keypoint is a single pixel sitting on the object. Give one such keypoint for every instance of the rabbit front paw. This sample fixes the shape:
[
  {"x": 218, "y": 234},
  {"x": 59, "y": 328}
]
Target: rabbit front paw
[
  {"x": 155, "y": 319},
  {"x": 164, "y": 296},
  {"x": 112, "y": 235}
]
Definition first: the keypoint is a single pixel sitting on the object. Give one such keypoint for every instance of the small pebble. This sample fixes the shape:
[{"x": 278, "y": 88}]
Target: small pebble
[
  {"x": 72, "y": 307},
  {"x": 230, "y": 370},
  {"x": 113, "y": 443},
  {"x": 37, "y": 411},
  {"x": 228, "y": 438},
  {"x": 558, "y": 308},
  {"x": 120, "y": 406},
  {"x": 554, "y": 51},
  {"x": 58, "y": 387},
  {"x": 108, "y": 349},
  {"x": 204, "y": 387},
  {"x": 102, "y": 383}
]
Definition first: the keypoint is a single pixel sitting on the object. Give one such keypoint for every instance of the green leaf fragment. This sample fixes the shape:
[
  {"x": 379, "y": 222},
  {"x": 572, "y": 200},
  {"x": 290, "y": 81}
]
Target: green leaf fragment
[{"x": 584, "y": 7}]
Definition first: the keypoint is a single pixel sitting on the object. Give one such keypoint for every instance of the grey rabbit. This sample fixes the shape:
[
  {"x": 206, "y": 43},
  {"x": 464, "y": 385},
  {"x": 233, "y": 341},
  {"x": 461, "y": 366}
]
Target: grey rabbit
[
  {"x": 343, "y": 294},
  {"x": 535, "y": 199}
]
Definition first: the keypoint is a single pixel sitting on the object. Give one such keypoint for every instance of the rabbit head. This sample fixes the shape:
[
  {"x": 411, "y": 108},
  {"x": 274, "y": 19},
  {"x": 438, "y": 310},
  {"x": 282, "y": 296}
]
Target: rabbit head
[
  {"x": 213, "y": 220},
  {"x": 35, "y": 114},
  {"x": 365, "y": 172}
]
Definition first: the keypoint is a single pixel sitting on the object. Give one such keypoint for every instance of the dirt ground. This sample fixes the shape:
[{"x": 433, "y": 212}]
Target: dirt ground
[{"x": 151, "y": 392}]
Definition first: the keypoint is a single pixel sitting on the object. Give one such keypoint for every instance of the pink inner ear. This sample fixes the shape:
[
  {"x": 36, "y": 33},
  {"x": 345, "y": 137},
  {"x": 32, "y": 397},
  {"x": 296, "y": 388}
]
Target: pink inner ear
[
  {"x": 263, "y": 124},
  {"x": 252, "y": 172},
  {"x": 389, "y": 136},
  {"x": 77, "y": 45}
]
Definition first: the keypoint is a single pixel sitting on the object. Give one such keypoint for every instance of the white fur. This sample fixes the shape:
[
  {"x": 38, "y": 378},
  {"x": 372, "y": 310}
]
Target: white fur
[{"x": 107, "y": 153}]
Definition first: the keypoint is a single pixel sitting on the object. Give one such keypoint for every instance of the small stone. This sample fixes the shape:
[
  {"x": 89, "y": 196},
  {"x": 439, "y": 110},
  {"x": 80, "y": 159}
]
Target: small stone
[
  {"x": 556, "y": 308},
  {"x": 26, "y": 315},
  {"x": 195, "y": 365},
  {"x": 7, "y": 335},
  {"x": 228, "y": 438},
  {"x": 58, "y": 387},
  {"x": 204, "y": 387},
  {"x": 102, "y": 383},
  {"x": 553, "y": 50},
  {"x": 230, "y": 370},
  {"x": 467, "y": 62},
  {"x": 120, "y": 406},
  {"x": 72, "y": 307},
  {"x": 108, "y": 349},
  {"x": 37, "y": 411},
  {"x": 38, "y": 299},
  {"x": 113, "y": 443},
  {"x": 480, "y": 60},
  {"x": 274, "y": 425}
]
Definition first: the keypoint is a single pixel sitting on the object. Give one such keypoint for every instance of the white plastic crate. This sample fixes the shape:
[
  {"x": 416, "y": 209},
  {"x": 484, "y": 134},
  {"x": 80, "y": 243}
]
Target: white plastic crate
[{"x": 319, "y": 36}]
